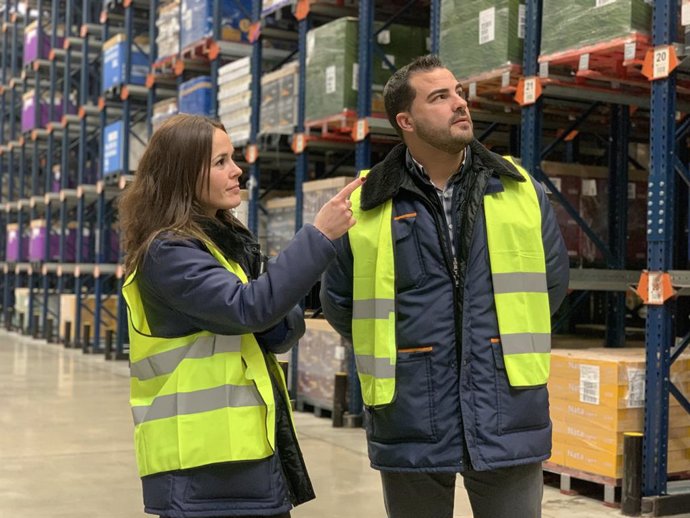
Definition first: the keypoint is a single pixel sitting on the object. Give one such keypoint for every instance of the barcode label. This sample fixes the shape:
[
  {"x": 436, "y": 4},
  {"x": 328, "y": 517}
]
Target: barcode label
[
  {"x": 487, "y": 25},
  {"x": 589, "y": 187},
  {"x": 330, "y": 79},
  {"x": 522, "y": 15},
  {"x": 632, "y": 190},
  {"x": 636, "y": 379},
  {"x": 601, "y": 3},
  {"x": 589, "y": 384},
  {"x": 339, "y": 352}
]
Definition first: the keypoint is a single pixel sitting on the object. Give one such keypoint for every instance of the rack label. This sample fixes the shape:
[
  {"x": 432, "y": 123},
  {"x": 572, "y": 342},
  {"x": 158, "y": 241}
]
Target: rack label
[
  {"x": 530, "y": 92},
  {"x": 487, "y": 25},
  {"x": 655, "y": 289},
  {"x": 251, "y": 153},
  {"x": 361, "y": 130},
  {"x": 661, "y": 62},
  {"x": 298, "y": 143}
]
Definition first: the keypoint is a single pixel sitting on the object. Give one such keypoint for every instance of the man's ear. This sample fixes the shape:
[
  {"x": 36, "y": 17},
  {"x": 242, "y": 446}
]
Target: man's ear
[{"x": 404, "y": 120}]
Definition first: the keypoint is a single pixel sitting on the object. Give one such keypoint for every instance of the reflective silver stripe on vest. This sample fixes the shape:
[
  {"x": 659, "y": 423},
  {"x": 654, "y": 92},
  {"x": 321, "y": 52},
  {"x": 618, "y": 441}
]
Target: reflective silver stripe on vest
[
  {"x": 166, "y": 362},
  {"x": 373, "y": 308},
  {"x": 199, "y": 401},
  {"x": 520, "y": 343},
  {"x": 376, "y": 367},
  {"x": 519, "y": 283}
]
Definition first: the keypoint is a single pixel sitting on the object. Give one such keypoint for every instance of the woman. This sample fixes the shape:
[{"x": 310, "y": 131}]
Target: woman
[{"x": 213, "y": 430}]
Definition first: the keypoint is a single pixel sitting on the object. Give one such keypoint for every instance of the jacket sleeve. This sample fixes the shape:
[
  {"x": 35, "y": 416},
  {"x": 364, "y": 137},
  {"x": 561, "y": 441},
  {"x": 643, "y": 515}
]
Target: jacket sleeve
[
  {"x": 284, "y": 335},
  {"x": 557, "y": 262},
  {"x": 188, "y": 279},
  {"x": 336, "y": 289}
]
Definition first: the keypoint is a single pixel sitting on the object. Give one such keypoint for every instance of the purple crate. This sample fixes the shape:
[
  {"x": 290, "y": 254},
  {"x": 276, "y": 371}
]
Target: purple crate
[
  {"x": 31, "y": 48},
  {"x": 37, "y": 242},
  {"x": 29, "y": 111},
  {"x": 12, "y": 252},
  {"x": 71, "y": 245}
]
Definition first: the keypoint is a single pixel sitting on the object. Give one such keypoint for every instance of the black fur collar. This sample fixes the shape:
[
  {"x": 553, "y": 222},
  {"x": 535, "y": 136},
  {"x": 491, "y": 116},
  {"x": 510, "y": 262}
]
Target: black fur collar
[{"x": 387, "y": 177}]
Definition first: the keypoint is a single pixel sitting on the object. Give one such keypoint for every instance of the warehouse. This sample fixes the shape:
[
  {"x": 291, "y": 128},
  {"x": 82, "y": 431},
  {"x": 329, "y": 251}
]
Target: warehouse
[{"x": 591, "y": 97}]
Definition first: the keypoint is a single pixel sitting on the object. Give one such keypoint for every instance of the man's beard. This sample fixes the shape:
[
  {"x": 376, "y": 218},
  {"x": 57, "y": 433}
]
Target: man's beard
[{"x": 442, "y": 139}]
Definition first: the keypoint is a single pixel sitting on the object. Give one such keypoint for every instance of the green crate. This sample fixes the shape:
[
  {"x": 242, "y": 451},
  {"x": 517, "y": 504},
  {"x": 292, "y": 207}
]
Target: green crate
[
  {"x": 481, "y": 35},
  {"x": 332, "y": 68},
  {"x": 571, "y": 24}
]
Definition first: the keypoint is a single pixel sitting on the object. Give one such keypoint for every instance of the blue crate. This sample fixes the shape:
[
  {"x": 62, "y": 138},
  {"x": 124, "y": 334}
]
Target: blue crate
[
  {"x": 195, "y": 96},
  {"x": 114, "y": 64},
  {"x": 112, "y": 148},
  {"x": 197, "y": 20}
]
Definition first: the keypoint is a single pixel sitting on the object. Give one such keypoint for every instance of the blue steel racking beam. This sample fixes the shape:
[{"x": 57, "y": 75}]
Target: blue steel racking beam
[
  {"x": 530, "y": 145},
  {"x": 362, "y": 148},
  {"x": 254, "y": 169},
  {"x": 660, "y": 223}
]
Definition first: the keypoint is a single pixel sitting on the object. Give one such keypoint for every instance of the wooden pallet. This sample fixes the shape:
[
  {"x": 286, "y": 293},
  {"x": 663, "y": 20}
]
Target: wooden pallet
[
  {"x": 617, "y": 61},
  {"x": 576, "y": 482},
  {"x": 497, "y": 83},
  {"x": 303, "y": 405}
]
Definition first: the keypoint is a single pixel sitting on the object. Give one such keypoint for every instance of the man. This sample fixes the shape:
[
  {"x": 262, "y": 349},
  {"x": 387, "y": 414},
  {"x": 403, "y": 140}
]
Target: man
[{"x": 446, "y": 286}]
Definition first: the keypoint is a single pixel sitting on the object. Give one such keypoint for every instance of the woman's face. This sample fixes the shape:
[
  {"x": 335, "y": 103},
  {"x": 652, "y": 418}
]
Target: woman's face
[{"x": 223, "y": 190}]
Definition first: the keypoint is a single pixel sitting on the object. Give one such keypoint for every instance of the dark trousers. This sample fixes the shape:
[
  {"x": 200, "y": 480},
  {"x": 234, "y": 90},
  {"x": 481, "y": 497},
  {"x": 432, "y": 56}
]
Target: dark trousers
[{"x": 514, "y": 492}]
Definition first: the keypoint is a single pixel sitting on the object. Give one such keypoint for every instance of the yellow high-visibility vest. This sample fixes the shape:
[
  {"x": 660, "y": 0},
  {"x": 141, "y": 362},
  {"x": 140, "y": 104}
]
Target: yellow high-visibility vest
[
  {"x": 198, "y": 399},
  {"x": 518, "y": 267}
]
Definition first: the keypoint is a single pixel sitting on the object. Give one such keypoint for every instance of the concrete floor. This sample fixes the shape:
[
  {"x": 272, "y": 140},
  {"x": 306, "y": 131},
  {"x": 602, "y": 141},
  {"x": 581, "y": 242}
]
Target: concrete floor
[{"x": 66, "y": 446}]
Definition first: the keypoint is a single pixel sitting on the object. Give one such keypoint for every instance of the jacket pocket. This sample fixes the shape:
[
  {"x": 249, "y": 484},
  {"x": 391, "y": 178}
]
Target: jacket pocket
[
  {"x": 411, "y": 415},
  {"x": 409, "y": 267},
  {"x": 250, "y": 480},
  {"x": 518, "y": 409}
]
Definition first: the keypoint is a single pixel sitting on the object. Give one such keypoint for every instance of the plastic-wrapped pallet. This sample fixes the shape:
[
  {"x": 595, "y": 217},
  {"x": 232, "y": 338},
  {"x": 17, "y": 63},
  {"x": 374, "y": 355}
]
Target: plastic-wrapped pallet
[
  {"x": 481, "y": 35},
  {"x": 318, "y": 192},
  {"x": 197, "y": 20},
  {"x": 194, "y": 96},
  {"x": 234, "y": 99},
  {"x": 598, "y": 394},
  {"x": 279, "y": 99},
  {"x": 570, "y": 24},
  {"x": 168, "y": 24},
  {"x": 163, "y": 110},
  {"x": 280, "y": 224},
  {"x": 322, "y": 354},
  {"x": 332, "y": 68}
]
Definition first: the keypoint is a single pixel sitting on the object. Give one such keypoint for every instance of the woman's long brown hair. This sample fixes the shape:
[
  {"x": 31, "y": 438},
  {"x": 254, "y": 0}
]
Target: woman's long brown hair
[{"x": 162, "y": 196}]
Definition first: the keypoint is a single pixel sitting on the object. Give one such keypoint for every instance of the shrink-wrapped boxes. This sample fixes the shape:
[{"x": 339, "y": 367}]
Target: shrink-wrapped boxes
[{"x": 481, "y": 35}]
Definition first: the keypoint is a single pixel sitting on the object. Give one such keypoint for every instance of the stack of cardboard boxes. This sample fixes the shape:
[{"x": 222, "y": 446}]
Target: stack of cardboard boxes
[{"x": 596, "y": 396}]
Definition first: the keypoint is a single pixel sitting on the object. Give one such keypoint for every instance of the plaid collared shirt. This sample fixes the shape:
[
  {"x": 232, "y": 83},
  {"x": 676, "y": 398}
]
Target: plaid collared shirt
[{"x": 445, "y": 194}]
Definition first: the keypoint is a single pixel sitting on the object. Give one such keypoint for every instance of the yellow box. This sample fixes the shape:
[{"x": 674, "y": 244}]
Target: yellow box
[
  {"x": 68, "y": 313},
  {"x": 610, "y": 464}
]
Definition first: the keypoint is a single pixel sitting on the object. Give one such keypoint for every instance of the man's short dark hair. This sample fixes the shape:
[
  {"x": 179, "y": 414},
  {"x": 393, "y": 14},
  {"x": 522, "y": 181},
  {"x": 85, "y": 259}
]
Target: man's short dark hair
[{"x": 398, "y": 94}]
